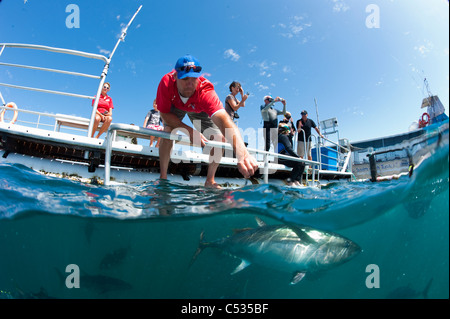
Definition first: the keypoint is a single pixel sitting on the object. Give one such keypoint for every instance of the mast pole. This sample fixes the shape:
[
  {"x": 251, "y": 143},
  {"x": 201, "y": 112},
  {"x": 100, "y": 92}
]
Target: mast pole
[
  {"x": 105, "y": 72},
  {"x": 317, "y": 114}
]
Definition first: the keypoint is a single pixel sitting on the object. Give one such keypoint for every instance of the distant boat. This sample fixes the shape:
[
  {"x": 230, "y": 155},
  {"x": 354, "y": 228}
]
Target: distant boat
[{"x": 395, "y": 155}]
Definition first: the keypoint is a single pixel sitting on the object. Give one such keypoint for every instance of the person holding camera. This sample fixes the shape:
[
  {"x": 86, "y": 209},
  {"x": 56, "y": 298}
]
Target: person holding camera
[
  {"x": 270, "y": 118},
  {"x": 232, "y": 104}
]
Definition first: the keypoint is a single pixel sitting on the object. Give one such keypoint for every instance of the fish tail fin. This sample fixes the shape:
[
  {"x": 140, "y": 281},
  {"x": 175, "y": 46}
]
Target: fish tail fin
[
  {"x": 201, "y": 245},
  {"x": 425, "y": 291}
]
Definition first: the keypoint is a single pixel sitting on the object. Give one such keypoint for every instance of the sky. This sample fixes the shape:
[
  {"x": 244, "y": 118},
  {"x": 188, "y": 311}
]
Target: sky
[{"x": 363, "y": 62}]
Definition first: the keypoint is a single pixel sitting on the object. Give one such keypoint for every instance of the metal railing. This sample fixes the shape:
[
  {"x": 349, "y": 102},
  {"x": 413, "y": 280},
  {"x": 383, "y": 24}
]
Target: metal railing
[
  {"x": 55, "y": 50},
  {"x": 342, "y": 161},
  {"x": 102, "y": 76},
  {"x": 140, "y": 132},
  {"x": 144, "y": 133},
  {"x": 39, "y": 123},
  {"x": 67, "y": 72}
]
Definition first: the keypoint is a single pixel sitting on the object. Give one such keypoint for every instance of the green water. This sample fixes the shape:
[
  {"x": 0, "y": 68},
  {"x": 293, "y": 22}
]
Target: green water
[{"x": 150, "y": 233}]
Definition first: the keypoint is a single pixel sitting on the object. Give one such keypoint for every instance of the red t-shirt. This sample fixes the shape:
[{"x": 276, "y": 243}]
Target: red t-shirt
[
  {"x": 204, "y": 99},
  {"x": 104, "y": 104}
]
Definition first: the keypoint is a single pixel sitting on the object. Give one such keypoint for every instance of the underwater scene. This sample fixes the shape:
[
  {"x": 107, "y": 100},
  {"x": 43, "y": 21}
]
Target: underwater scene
[{"x": 67, "y": 239}]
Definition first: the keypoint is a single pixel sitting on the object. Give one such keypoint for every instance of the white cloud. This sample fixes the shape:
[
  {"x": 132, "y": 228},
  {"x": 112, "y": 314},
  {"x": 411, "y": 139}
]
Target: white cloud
[
  {"x": 261, "y": 87},
  {"x": 286, "y": 69},
  {"x": 231, "y": 54},
  {"x": 253, "y": 49},
  {"x": 424, "y": 48},
  {"x": 261, "y": 65},
  {"x": 355, "y": 110},
  {"x": 294, "y": 27},
  {"x": 340, "y": 5},
  {"x": 103, "y": 51},
  {"x": 9, "y": 74}
]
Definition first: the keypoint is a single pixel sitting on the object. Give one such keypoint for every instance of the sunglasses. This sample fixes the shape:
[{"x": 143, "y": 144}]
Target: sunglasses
[{"x": 189, "y": 68}]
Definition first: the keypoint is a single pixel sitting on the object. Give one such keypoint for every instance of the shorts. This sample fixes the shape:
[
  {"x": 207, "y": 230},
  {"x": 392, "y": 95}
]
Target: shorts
[
  {"x": 155, "y": 127},
  {"x": 301, "y": 149},
  {"x": 201, "y": 121}
]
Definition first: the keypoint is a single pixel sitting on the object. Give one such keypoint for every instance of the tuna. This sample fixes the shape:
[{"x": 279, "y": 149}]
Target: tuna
[{"x": 287, "y": 247}]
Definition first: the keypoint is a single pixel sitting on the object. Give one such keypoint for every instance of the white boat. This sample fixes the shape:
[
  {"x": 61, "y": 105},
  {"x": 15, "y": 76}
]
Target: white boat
[
  {"x": 396, "y": 155},
  {"x": 60, "y": 144}
]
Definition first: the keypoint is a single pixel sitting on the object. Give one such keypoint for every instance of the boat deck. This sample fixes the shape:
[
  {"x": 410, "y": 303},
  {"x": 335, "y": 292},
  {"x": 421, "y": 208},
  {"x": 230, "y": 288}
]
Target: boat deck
[{"x": 91, "y": 154}]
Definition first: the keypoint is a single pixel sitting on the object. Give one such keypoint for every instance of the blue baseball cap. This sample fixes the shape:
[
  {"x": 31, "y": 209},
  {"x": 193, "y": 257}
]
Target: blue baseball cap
[{"x": 188, "y": 66}]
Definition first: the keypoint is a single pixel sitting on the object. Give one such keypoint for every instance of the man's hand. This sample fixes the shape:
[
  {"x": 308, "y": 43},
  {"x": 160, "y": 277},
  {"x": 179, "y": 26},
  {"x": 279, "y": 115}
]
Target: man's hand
[
  {"x": 247, "y": 166},
  {"x": 198, "y": 138}
]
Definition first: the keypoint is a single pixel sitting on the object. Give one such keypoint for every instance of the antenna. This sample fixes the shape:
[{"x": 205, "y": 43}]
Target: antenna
[
  {"x": 124, "y": 32},
  {"x": 1, "y": 97},
  {"x": 104, "y": 73},
  {"x": 317, "y": 113},
  {"x": 425, "y": 82}
]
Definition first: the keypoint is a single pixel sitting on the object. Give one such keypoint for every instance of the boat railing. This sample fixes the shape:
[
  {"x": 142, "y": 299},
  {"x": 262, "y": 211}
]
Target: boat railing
[
  {"x": 141, "y": 132},
  {"x": 342, "y": 153},
  {"x": 55, "y": 50},
  {"x": 101, "y": 77},
  {"x": 47, "y": 120},
  {"x": 81, "y": 124},
  {"x": 82, "y": 54}
]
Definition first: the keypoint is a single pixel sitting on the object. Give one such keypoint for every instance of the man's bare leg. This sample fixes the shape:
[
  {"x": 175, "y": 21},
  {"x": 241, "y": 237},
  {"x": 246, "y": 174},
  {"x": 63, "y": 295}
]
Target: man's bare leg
[
  {"x": 165, "y": 149},
  {"x": 214, "y": 160},
  {"x": 212, "y": 168}
]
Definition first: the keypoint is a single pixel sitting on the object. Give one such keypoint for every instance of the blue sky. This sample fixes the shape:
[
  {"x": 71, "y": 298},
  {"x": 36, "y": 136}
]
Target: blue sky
[{"x": 371, "y": 79}]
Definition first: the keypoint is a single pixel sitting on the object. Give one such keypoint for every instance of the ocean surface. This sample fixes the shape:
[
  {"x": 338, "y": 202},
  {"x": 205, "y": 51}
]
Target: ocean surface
[{"x": 137, "y": 241}]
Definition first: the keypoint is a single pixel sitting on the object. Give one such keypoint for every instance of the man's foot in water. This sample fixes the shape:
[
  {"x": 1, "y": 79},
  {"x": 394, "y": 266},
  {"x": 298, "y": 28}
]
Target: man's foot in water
[{"x": 212, "y": 184}]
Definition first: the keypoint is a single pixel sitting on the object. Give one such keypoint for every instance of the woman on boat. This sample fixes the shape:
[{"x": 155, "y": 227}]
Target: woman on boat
[
  {"x": 285, "y": 148},
  {"x": 232, "y": 104},
  {"x": 104, "y": 111}
]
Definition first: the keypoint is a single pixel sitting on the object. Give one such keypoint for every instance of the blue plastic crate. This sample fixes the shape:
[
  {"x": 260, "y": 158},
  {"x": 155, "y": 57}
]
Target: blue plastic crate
[{"x": 328, "y": 157}]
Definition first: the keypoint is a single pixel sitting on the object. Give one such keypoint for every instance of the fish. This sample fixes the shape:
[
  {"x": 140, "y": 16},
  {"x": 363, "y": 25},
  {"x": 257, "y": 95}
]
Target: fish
[
  {"x": 103, "y": 284},
  {"x": 291, "y": 248},
  {"x": 114, "y": 258},
  {"x": 98, "y": 283},
  {"x": 42, "y": 294},
  {"x": 406, "y": 292},
  {"x": 89, "y": 228}
]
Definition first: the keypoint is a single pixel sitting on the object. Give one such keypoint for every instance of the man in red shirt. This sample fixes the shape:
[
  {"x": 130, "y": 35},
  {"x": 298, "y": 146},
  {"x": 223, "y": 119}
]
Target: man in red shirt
[{"x": 183, "y": 91}]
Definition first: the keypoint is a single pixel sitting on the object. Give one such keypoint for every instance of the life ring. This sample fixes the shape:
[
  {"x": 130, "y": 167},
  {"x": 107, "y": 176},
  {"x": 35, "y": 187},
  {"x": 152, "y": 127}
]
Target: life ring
[
  {"x": 16, "y": 113},
  {"x": 422, "y": 121},
  {"x": 428, "y": 118}
]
